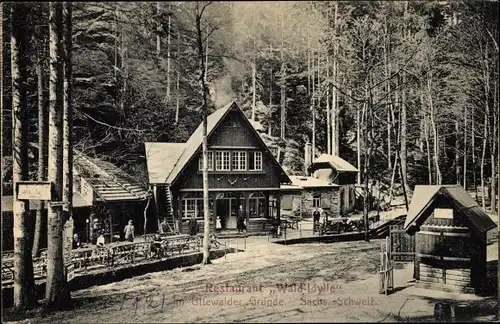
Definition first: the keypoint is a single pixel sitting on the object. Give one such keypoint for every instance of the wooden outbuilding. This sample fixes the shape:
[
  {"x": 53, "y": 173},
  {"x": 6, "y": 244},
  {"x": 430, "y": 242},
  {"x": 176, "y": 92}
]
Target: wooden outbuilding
[
  {"x": 335, "y": 170},
  {"x": 451, "y": 238}
]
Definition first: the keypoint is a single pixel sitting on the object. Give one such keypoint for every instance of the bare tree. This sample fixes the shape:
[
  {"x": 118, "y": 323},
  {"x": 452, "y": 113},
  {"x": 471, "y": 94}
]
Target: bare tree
[
  {"x": 23, "y": 266},
  {"x": 204, "y": 88}
]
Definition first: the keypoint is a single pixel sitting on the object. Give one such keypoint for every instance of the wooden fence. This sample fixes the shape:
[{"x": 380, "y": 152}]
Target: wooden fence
[
  {"x": 124, "y": 253},
  {"x": 402, "y": 245}
]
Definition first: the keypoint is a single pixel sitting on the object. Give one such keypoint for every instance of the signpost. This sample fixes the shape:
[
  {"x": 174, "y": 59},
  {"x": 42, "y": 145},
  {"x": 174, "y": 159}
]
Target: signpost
[
  {"x": 34, "y": 190},
  {"x": 42, "y": 190}
]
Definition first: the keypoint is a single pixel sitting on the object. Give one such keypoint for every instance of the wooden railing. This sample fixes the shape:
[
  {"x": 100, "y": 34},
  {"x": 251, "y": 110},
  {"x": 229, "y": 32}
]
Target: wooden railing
[{"x": 86, "y": 259}]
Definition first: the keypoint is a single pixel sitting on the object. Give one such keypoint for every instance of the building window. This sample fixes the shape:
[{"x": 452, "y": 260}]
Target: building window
[
  {"x": 189, "y": 207},
  {"x": 222, "y": 161},
  {"x": 257, "y": 203},
  {"x": 317, "y": 201},
  {"x": 210, "y": 161},
  {"x": 239, "y": 161},
  {"x": 255, "y": 161}
]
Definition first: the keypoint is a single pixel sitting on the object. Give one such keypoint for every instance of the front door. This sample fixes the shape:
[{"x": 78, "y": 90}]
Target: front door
[{"x": 223, "y": 212}]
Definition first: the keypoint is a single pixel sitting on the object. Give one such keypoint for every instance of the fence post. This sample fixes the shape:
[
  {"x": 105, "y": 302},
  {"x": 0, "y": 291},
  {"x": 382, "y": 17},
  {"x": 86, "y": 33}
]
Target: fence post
[
  {"x": 245, "y": 248},
  {"x": 300, "y": 230},
  {"x": 236, "y": 244}
]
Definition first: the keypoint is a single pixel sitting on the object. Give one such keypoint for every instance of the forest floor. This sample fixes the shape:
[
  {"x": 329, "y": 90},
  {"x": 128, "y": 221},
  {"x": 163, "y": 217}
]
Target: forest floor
[{"x": 346, "y": 272}]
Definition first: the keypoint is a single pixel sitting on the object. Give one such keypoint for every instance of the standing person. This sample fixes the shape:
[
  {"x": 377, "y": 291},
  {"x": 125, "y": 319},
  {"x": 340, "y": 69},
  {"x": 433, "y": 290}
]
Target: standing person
[
  {"x": 101, "y": 240},
  {"x": 193, "y": 225},
  {"x": 316, "y": 216},
  {"x": 129, "y": 232},
  {"x": 163, "y": 226},
  {"x": 76, "y": 242},
  {"x": 240, "y": 222}
]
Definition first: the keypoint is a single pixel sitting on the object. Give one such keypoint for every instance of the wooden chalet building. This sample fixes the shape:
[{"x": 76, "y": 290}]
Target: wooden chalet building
[
  {"x": 450, "y": 229},
  {"x": 241, "y": 172},
  {"x": 102, "y": 195}
]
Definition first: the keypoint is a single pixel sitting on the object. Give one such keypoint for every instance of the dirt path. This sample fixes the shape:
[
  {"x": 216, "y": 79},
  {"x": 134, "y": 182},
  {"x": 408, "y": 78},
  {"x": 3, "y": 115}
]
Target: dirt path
[{"x": 324, "y": 282}]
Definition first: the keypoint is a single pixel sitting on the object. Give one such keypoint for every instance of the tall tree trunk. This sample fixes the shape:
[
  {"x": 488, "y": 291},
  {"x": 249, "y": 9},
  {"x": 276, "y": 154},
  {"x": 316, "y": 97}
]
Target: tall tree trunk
[
  {"x": 403, "y": 153},
  {"x": 178, "y": 94},
  {"x": 270, "y": 110},
  {"x": 308, "y": 66},
  {"x": 43, "y": 133},
  {"x": 168, "y": 50},
  {"x": 335, "y": 107},
  {"x": 358, "y": 141},
  {"x": 203, "y": 84},
  {"x": 158, "y": 30},
  {"x": 457, "y": 158},
  {"x": 254, "y": 74},
  {"x": 486, "y": 129},
  {"x": 68, "y": 111},
  {"x": 23, "y": 265},
  {"x": 328, "y": 115},
  {"x": 434, "y": 132},
  {"x": 494, "y": 147},
  {"x": 283, "y": 82},
  {"x": 429, "y": 164},
  {"x": 56, "y": 292},
  {"x": 388, "y": 94},
  {"x": 465, "y": 149},
  {"x": 313, "y": 107},
  {"x": 123, "y": 67},
  {"x": 473, "y": 151}
]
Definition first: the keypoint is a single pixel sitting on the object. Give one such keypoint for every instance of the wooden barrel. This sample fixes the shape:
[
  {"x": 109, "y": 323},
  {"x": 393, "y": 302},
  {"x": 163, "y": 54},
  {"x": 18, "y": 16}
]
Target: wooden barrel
[
  {"x": 462, "y": 312},
  {"x": 442, "y": 312},
  {"x": 444, "y": 256}
]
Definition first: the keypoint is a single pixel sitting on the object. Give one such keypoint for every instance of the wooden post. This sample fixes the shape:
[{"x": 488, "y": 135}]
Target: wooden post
[{"x": 179, "y": 213}]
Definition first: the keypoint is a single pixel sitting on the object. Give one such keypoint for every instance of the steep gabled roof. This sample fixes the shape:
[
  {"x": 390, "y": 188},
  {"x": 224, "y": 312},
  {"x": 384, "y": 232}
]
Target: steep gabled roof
[
  {"x": 196, "y": 140},
  {"x": 333, "y": 161},
  {"x": 194, "y": 143},
  {"x": 161, "y": 159},
  {"x": 424, "y": 196},
  {"x": 108, "y": 181}
]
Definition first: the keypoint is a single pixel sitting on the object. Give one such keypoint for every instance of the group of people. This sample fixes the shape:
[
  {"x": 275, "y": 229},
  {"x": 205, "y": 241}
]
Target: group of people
[{"x": 317, "y": 218}]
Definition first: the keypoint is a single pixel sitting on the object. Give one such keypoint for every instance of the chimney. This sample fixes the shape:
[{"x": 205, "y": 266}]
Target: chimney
[{"x": 307, "y": 157}]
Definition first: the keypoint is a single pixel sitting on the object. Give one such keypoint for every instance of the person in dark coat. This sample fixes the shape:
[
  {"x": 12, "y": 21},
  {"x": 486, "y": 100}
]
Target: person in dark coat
[
  {"x": 240, "y": 222},
  {"x": 316, "y": 217},
  {"x": 193, "y": 226}
]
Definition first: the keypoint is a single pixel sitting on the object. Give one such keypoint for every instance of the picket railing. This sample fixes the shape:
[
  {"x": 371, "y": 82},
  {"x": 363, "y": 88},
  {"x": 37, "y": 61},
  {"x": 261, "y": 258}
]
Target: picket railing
[{"x": 124, "y": 253}]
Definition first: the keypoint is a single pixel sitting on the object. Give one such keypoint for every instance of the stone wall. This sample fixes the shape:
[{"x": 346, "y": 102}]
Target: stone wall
[{"x": 303, "y": 200}]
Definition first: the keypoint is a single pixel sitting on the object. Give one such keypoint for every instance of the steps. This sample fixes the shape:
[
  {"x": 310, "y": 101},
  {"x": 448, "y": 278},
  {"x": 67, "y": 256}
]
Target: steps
[{"x": 169, "y": 209}]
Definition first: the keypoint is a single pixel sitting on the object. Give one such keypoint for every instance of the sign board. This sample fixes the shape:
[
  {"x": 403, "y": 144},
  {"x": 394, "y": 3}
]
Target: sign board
[
  {"x": 86, "y": 191},
  {"x": 70, "y": 272},
  {"x": 443, "y": 213},
  {"x": 34, "y": 190},
  {"x": 68, "y": 241}
]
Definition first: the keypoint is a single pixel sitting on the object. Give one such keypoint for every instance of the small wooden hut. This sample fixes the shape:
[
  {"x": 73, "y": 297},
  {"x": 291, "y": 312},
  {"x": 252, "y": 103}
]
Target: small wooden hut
[{"x": 450, "y": 229}]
